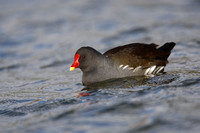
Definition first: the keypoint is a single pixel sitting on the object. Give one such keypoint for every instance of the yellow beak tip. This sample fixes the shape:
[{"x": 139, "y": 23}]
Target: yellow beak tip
[{"x": 71, "y": 68}]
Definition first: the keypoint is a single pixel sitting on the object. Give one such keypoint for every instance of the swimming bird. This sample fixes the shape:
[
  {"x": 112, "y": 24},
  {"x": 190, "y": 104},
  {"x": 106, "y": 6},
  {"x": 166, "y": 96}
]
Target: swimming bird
[{"x": 135, "y": 59}]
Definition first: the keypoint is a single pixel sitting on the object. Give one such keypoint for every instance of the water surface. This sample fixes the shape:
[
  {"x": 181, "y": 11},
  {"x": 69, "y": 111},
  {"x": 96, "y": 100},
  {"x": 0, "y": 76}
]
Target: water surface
[{"x": 38, "y": 40}]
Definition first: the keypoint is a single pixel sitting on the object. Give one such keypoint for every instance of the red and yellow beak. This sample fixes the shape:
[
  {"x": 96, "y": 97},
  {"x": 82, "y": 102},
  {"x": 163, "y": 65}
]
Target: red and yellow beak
[{"x": 76, "y": 63}]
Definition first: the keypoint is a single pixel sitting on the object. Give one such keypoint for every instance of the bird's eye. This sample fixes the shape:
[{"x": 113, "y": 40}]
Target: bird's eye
[{"x": 83, "y": 56}]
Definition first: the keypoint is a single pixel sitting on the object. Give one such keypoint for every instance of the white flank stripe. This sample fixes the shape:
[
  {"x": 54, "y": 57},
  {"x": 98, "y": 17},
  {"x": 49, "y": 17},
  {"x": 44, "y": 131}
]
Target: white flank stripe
[
  {"x": 137, "y": 68},
  {"x": 121, "y": 66},
  {"x": 131, "y": 68},
  {"x": 124, "y": 67}
]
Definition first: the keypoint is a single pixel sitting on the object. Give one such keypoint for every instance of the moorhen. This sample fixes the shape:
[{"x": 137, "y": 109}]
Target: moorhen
[{"x": 135, "y": 59}]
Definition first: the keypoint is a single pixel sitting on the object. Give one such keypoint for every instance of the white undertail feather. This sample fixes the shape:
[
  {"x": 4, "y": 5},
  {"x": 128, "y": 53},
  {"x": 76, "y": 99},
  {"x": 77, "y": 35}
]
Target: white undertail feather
[
  {"x": 160, "y": 69},
  {"x": 147, "y": 71},
  {"x": 156, "y": 70},
  {"x": 151, "y": 69}
]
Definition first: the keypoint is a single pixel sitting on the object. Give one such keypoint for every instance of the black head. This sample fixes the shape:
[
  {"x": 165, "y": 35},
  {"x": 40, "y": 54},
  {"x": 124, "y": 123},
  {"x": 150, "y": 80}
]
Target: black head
[{"x": 85, "y": 58}]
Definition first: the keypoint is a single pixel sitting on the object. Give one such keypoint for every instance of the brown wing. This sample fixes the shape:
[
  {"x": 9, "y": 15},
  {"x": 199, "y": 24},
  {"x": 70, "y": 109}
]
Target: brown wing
[{"x": 138, "y": 54}]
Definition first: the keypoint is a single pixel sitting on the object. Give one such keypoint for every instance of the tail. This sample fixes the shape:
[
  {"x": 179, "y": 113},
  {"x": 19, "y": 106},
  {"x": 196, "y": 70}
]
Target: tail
[{"x": 166, "y": 48}]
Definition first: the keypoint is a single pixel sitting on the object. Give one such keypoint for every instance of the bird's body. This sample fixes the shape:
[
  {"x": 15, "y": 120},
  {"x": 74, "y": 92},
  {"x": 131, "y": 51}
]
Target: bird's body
[{"x": 134, "y": 59}]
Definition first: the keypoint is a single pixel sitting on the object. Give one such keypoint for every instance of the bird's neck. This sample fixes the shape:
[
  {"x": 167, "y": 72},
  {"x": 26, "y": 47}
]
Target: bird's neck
[{"x": 98, "y": 70}]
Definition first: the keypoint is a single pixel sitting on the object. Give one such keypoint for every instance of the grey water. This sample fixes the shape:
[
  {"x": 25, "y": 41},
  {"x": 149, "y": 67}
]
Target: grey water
[{"x": 39, "y": 94}]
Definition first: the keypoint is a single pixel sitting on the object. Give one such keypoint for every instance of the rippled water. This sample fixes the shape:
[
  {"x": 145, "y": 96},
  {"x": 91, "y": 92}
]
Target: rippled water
[{"x": 38, "y": 40}]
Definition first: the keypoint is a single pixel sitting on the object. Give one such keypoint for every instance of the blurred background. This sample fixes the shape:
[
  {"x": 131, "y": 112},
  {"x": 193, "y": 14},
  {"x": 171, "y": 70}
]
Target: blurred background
[{"x": 38, "y": 40}]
